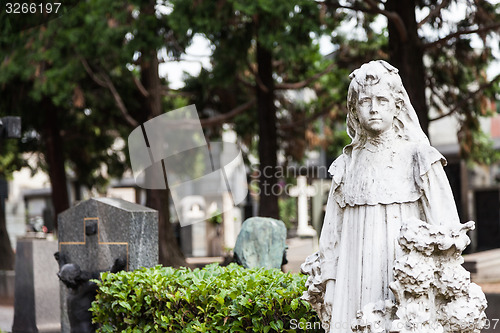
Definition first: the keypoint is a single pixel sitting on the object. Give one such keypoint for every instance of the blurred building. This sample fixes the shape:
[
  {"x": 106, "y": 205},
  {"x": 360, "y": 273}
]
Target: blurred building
[{"x": 476, "y": 188}]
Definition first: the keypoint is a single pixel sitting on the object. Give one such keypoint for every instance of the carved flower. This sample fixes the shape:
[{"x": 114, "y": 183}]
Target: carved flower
[
  {"x": 415, "y": 273},
  {"x": 374, "y": 317},
  {"x": 416, "y": 236},
  {"x": 453, "y": 281},
  {"x": 466, "y": 314},
  {"x": 415, "y": 317},
  {"x": 456, "y": 238}
]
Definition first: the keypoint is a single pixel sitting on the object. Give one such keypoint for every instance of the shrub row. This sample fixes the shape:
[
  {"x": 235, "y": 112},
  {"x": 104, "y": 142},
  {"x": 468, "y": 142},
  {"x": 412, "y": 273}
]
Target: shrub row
[{"x": 213, "y": 299}]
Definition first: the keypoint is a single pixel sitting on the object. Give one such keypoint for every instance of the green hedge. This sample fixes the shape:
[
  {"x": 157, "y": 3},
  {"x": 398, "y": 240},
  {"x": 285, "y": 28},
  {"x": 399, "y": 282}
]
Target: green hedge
[{"x": 213, "y": 299}]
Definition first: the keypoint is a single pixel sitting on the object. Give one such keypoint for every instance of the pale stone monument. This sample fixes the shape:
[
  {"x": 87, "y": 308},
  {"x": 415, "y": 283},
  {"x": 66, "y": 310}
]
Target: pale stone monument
[
  {"x": 302, "y": 191},
  {"x": 391, "y": 243}
]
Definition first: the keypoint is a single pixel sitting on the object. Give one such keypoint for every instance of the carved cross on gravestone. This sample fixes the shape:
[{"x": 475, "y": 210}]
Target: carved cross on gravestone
[
  {"x": 302, "y": 192},
  {"x": 93, "y": 248}
]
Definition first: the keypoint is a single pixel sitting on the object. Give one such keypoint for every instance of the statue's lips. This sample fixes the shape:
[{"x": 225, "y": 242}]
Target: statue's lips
[{"x": 375, "y": 119}]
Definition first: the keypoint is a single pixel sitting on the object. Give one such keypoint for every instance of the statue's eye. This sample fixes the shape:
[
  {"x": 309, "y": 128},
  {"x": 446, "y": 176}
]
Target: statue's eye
[
  {"x": 383, "y": 100},
  {"x": 365, "y": 102}
]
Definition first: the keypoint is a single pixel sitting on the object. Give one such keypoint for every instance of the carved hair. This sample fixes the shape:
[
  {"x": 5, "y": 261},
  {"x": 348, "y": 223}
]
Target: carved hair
[{"x": 406, "y": 122}]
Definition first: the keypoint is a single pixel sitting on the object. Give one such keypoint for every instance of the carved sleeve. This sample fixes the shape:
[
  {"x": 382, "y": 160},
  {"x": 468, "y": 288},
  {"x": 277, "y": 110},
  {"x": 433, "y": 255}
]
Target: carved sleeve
[{"x": 438, "y": 202}]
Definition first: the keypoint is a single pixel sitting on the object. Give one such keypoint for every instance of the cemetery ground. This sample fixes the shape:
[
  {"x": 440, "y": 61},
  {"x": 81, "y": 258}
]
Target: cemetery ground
[{"x": 298, "y": 250}]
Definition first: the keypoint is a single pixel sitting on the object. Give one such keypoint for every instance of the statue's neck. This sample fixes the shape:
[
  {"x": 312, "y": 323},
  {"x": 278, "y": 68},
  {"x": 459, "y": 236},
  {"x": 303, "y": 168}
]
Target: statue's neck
[{"x": 380, "y": 141}]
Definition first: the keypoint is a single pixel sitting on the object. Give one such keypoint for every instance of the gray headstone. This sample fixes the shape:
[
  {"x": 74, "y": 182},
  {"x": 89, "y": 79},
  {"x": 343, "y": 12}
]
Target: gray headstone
[
  {"x": 7, "y": 286},
  {"x": 261, "y": 243},
  {"x": 96, "y": 232},
  {"x": 36, "y": 301}
]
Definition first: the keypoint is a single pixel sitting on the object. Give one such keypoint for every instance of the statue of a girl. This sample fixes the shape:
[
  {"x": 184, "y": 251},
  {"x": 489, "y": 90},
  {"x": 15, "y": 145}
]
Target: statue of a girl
[{"x": 388, "y": 175}]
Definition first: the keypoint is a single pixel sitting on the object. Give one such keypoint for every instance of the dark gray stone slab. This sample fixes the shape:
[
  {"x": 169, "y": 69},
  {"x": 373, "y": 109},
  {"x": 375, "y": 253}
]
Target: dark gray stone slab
[
  {"x": 261, "y": 243},
  {"x": 97, "y": 232},
  {"x": 493, "y": 313},
  {"x": 7, "y": 286},
  {"x": 36, "y": 302}
]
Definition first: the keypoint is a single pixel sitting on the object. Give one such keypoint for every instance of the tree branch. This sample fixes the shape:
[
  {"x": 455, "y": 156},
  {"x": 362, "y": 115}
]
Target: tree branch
[
  {"x": 119, "y": 101},
  {"x": 391, "y": 16},
  {"x": 226, "y": 116},
  {"x": 433, "y": 13},
  {"x": 305, "y": 121},
  {"x": 374, "y": 9},
  {"x": 456, "y": 34},
  {"x": 166, "y": 91},
  {"x": 106, "y": 82},
  {"x": 306, "y": 82},
  {"x": 468, "y": 97},
  {"x": 91, "y": 73},
  {"x": 139, "y": 86},
  {"x": 245, "y": 82}
]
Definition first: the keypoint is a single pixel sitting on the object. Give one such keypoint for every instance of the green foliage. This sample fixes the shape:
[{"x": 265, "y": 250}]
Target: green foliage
[
  {"x": 290, "y": 31},
  {"x": 213, "y": 299},
  {"x": 288, "y": 210}
]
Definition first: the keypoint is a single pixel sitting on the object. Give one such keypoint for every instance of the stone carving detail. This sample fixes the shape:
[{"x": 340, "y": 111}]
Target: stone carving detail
[
  {"x": 389, "y": 256},
  {"x": 315, "y": 288},
  {"x": 433, "y": 291}
]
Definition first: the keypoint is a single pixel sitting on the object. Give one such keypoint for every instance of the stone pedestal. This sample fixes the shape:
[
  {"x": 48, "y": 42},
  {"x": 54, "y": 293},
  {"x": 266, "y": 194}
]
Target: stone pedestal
[
  {"x": 7, "y": 286},
  {"x": 36, "y": 302}
]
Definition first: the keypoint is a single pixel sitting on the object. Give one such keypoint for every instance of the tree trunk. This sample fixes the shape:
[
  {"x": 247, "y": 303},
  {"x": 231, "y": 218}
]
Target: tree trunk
[
  {"x": 169, "y": 251},
  {"x": 55, "y": 160},
  {"x": 268, "y": 182},
  {"x": 6, "y": 254},
  {"x": 406, "y": 54}
]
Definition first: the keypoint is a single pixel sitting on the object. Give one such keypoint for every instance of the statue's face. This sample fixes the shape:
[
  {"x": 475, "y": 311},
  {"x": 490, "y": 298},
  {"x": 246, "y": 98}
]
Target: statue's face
[{"x": 376, "y": 109}]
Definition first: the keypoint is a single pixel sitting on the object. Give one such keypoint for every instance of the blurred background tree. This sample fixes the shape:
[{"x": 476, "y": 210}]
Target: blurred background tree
[
  {"x": 262, "y": 50},
  {"x": 442, "y": 49},
  {"x": 83, "y": 81}
]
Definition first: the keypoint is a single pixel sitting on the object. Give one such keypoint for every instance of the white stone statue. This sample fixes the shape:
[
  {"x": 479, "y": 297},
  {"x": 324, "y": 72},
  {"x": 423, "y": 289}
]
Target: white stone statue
[{"x": 389, "y": 255}]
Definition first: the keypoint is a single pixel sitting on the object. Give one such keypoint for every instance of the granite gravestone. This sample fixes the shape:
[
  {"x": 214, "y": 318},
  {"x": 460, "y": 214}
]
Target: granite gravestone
[
  {"x": 99, "y": 234},
  {"x": 261, "y": 243},
  {"x": 36, "y": 302}
]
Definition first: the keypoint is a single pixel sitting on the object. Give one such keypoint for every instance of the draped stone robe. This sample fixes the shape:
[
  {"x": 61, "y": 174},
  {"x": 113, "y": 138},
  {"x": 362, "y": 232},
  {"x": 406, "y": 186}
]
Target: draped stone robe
[{"x": 375, "y": 189}]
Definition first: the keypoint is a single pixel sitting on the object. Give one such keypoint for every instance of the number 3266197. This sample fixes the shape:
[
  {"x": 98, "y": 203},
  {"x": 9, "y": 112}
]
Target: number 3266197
[{"x": 32, "y": 8}]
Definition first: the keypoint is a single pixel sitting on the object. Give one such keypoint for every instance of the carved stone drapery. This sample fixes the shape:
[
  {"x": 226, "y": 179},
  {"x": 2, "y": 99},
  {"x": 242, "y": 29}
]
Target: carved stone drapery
[{"x": 433, "y": 291}]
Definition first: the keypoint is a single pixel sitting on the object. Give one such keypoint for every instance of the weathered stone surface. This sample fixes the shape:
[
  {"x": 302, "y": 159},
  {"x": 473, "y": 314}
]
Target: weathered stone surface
[
  {"x": 390, "y": 246},
  {"x": 261, "y": 243},
  {"x": 96, "y": 233},
  {"x": 36, "y": 303},
  {"x": 433, "y": 291}
]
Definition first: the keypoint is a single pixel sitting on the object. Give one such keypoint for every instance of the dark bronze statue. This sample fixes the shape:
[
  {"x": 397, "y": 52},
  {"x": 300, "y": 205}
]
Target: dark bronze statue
[{"x": 81, "y": 292}]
